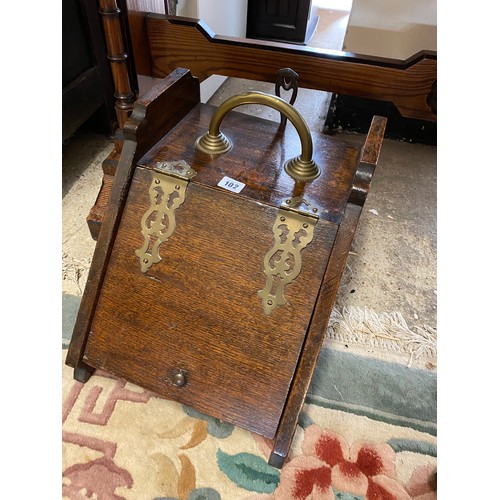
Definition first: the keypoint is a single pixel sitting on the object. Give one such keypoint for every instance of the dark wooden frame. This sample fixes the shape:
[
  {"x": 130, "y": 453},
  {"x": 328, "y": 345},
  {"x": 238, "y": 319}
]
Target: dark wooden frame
[
  {"x": 158, "y": 44},
  {"x": 93, "y": 88},
  {"x": 294, "y": 26}
]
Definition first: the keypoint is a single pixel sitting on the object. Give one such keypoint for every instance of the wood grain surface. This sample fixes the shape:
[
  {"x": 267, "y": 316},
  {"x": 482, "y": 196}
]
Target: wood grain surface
[
  {"x": 314, "y": 341},
  {"x": 174, "y": 42},
  {"x": 368, "y": 161},
  {"x": 198, "y": 309},
  {"x": 259, "y": 152},
  {"x": 197, "y": 312},
  {"x": 147, "y": 110}
]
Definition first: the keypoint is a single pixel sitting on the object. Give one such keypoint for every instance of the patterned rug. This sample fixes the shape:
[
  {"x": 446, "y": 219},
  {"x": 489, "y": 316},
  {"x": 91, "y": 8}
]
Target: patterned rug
[{"x": 367, "y": 431}]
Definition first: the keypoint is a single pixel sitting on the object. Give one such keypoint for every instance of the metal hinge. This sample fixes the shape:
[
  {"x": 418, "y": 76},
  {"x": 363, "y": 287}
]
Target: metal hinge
[
  {"x": 178, "y": 169},
  {"x": 300, "y": 206}
]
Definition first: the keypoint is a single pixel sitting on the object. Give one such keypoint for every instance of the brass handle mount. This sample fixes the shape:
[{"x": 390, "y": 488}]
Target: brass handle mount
[{"x": 214, "y": 142}]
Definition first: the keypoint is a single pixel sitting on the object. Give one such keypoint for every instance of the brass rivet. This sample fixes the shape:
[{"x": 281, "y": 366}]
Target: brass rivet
[
  {"x": 305, "y": 225},
  {"x": 282, "y": 219},
  {"x": 145, "y": 261},
  {"x": 157, "y": 181},
  {"x": 315, "y": 210},
  {"x": 177, "y": 186},
  {"x": 179, "y": 379},
  {"x": 269, "y": 302},
  {"x": 288, "y": 201}
]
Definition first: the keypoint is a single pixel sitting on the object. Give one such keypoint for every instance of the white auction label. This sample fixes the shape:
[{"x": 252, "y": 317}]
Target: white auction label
[{"x": 231, "y": 184}]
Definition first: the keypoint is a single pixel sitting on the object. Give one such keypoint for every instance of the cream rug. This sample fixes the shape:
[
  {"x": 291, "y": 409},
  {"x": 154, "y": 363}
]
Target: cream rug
[{"x": 123, "y": 442}]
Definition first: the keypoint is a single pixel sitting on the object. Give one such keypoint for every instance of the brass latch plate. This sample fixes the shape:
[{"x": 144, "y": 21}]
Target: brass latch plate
[
  {"x": 293, "y": 230},
  {"x": 167, "y": 192}
]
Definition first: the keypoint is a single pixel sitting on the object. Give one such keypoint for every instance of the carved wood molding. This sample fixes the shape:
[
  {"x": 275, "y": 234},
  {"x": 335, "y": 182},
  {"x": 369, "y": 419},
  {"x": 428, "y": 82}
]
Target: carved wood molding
[{"x": 182, "y": 42}]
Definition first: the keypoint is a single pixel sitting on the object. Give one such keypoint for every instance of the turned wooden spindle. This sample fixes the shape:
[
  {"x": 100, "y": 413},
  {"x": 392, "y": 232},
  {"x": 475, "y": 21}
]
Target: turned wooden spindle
[{"x": 117, "y": 56}]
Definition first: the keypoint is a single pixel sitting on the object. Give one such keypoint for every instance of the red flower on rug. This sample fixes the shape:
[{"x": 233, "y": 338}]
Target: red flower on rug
[
  {"x": 423, "y": 483},
  {"x": 328, "y": 465}
]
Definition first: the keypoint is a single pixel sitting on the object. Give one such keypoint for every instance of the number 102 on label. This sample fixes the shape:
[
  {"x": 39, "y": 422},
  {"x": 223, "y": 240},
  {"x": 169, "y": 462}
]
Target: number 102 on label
[{"x": 231, "y": 184}]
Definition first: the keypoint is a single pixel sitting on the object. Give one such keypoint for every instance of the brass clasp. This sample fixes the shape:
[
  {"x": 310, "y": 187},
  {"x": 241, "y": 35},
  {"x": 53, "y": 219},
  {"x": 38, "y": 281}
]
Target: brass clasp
[
  {"x": 166, "y": 193},
  {"x": 293, "y": 230}
]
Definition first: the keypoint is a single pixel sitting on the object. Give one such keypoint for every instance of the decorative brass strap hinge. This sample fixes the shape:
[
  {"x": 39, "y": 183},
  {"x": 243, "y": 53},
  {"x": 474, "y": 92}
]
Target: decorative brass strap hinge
[
  {"x": 293, "y": 230},
  {"x": 166, "y": 193}
]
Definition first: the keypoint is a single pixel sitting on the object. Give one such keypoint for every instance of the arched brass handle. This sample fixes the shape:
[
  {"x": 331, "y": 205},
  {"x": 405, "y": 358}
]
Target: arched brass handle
[{"x": 214, "y": 142}]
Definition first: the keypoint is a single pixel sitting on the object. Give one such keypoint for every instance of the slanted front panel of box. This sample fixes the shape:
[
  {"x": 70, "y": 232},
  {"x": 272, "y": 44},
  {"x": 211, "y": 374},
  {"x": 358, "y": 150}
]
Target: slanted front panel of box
[{"x": 197, "y": 312}]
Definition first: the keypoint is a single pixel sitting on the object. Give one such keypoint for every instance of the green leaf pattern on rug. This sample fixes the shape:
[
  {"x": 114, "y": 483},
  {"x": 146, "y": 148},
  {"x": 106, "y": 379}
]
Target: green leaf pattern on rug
[
  {"x": 348, "y": 496},
  {"x": 305, "y": 420},
  {"x": 197, "y": 494},
  {"x": 215, "y": 427},
  {"x": 249, "y": 471},
  {"x": 422, "y": 447},
  {"x": 204, "y": 494}
]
